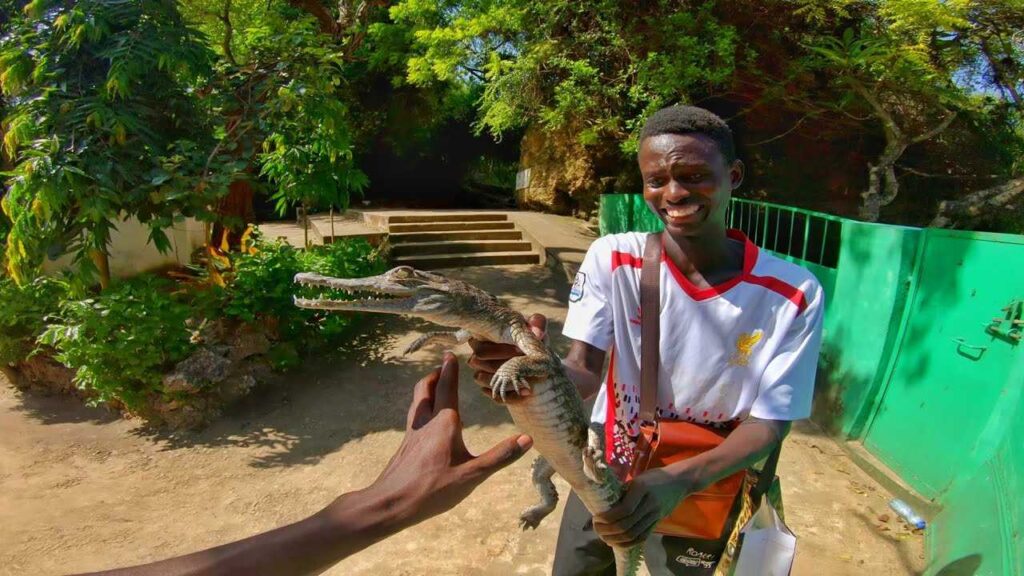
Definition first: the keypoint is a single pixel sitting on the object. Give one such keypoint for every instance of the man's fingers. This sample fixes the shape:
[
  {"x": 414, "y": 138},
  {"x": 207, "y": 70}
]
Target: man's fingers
[
  {"x": 447, "y": 390},
  {"x": 539, "y": 325},
  {"x": 422, "y": 408},
  {"x": 485, "y": 350},
  {"x": 500, "y": 455},
  {"x": 628, "y": 506},
  {"x": 636, "y": 533},
  {"x": 491, "y": 366}
]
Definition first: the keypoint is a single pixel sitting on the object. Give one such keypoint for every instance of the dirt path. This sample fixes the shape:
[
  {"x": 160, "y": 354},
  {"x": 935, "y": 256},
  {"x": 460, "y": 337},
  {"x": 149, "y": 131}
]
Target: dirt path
[{"x": 80, "y": 490}]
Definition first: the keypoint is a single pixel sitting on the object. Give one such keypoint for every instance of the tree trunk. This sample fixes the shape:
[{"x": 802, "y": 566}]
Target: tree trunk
[
  {"x": 102, "y": 262},
  {"x": 305, "y": 225},
  {"x": 977, "y": 206}
]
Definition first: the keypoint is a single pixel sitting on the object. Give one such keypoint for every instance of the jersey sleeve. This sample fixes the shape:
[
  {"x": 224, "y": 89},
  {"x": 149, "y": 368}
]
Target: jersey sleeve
[
  {"x": 787, "y": 384},
  {"x": 589, "y": 318}
]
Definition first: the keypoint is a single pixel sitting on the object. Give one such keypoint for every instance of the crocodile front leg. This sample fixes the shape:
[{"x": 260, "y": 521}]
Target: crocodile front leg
[
  {"x": 515, "y": 374},
  {"x": 542, "y": 473}
]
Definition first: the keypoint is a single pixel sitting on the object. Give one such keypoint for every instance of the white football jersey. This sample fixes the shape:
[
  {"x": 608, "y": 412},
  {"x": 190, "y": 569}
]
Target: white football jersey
[{"x": 746, "y": 347}]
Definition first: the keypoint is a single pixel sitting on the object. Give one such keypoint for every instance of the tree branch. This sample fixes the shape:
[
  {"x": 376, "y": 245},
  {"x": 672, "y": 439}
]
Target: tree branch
[
  {"x": 327, "y": 23},
  {"x": 934, "y": 131},
  {"x": 787, "y": 132},
  {"x": 229, "y": 33},
  {"x": 975, "y": 206}
]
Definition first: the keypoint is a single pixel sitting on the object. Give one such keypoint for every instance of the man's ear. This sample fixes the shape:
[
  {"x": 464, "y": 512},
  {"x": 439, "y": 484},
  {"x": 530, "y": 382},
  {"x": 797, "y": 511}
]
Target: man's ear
[{"x": 736, "y": 173}]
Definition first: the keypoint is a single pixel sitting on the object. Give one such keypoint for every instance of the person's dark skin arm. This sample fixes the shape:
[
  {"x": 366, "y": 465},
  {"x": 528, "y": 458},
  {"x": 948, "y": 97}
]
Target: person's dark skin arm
[
  {"x": 654, "y": 494},
  {"x": 431, "y": 472}
]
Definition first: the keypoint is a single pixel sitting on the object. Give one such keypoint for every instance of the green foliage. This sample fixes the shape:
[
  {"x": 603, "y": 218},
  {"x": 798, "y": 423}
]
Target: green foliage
[
  {"x": 307, "y": 148},
  {"x": 122, "y": 341},
  {"x": 600, "y": 66},
  {"x": 23, "y": 314},
  {"x": 262, "y": 286},
  {"x": 102, "y": 123}
]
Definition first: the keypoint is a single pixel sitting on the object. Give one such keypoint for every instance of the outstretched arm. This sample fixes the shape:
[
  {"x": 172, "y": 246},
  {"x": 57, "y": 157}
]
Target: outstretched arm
[{"x": 431, "y": 472}]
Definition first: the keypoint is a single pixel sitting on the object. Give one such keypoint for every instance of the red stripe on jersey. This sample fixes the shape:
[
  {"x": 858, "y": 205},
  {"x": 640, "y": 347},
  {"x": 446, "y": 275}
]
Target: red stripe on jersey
[
  {"x": 626, "y": 259},
  {"x": 788, "y": 291},
  {"x": 609, "y": 415},
  {"x": 749, "y": 259}
]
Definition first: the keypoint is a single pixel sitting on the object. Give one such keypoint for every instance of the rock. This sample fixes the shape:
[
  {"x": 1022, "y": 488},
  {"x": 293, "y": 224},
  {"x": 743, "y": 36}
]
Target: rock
[
  {"x": 202, "y": 368},
  {"x": 248, "y": 340}
]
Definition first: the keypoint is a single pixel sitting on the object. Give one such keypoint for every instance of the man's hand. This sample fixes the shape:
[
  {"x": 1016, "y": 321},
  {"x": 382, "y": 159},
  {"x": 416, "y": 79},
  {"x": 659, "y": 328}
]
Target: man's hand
[
  {"x": 649, "y": 497},
  {"x": 489, "y": 356},
  {"x": 429, "y": 474},
  {"x": 432, "y": 470}
]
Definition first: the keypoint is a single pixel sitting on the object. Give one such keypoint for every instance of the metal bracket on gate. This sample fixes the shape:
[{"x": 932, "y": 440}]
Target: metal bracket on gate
[{"x": 1010, "y": 326}]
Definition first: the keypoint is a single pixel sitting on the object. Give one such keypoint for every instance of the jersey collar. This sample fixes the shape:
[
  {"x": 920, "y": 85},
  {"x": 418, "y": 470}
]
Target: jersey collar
[{"x": 750, "y": 251}]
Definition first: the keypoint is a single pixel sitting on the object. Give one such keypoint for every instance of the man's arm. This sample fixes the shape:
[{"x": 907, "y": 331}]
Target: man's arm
[
  {"x": 654, "y": 494},
  {"x": 431, "y": 472},
  {"x": 583, "y": 366}
]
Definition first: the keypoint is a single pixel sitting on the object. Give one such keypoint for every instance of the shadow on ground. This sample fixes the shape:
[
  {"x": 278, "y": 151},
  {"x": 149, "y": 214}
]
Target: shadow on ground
[{"x": 366, "y": 386}]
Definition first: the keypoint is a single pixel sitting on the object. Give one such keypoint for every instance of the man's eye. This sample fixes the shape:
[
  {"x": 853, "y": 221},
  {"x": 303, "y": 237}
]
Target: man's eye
[
  {"x": 698, "y": 177},
  {"x": 655, "y": 183}
]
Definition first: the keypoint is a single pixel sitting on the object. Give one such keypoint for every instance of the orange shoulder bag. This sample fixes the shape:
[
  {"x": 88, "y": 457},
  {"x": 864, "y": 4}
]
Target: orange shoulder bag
[{"x": 703, "y": 514}]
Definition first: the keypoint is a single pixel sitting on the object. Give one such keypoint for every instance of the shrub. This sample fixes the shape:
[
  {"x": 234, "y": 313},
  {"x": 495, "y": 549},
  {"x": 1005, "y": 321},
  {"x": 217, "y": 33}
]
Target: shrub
[
  {"x": 263, "y": 287},
  {"x": 121, "y": 342},
  {"x": 23, "y": 312}
]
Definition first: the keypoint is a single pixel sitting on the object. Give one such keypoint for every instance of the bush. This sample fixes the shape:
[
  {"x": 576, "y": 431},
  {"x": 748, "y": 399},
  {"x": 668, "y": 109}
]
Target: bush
[
  {"x": 263, "y": 287},
  {"x": 121, "y": 342},
  {"x": 23, "y": 312}
]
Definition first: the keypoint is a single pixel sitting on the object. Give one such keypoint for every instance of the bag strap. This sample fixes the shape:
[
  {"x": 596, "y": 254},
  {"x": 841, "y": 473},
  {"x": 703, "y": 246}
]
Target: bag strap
[
  {"x": 767, "y": 475},
  {"x": 650, "y": 327},
  {"x": 650, "y": 337}
]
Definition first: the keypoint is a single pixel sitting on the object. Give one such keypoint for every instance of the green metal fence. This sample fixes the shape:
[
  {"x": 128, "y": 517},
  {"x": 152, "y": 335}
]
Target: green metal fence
[{"x": 922, "y": 362}]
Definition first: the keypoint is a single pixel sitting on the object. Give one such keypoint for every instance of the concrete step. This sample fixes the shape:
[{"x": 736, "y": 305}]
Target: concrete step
[
  {"x": 461, "y": 247},
  {"x": 461, "y": 235},
  {"x": 458, "y": 217},
  {"x": 433, "y": 261},
  {"x": 450, "y": 226}
]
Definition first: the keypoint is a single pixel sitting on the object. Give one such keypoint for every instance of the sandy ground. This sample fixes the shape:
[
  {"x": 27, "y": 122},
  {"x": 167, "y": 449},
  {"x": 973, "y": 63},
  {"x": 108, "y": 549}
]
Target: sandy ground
[{"x": 81, "y": 490}]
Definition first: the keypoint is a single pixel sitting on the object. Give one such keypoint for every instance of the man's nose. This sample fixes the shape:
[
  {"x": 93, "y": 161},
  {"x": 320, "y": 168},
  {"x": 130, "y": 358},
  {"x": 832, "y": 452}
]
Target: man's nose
[{"x": 676, "y": 192}]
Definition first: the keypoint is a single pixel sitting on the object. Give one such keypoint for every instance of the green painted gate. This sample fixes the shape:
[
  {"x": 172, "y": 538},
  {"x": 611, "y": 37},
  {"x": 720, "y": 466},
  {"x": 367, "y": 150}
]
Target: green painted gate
[{"x": 950, "y": 379}]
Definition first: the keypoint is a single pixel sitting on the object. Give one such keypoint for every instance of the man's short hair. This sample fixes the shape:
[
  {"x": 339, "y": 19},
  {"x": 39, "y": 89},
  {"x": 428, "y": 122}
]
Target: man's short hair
[{"x": 690, "y": 120}]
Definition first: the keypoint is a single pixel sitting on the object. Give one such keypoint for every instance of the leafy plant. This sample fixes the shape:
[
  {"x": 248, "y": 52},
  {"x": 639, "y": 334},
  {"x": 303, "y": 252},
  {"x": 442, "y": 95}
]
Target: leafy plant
[
  {"x": 121, "y": 342},
  {"x": 262, "y": 286},
  {"x": 23, "y": 314},
  {"x": 102, "y": 124}
]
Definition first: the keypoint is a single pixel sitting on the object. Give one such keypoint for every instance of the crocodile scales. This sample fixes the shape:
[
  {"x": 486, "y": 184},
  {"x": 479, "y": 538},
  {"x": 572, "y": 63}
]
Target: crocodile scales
[{"x": 552, "y": 413}]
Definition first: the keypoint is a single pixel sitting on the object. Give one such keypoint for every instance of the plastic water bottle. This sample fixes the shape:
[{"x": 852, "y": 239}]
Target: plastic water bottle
[{"x": 907, "y": 513}]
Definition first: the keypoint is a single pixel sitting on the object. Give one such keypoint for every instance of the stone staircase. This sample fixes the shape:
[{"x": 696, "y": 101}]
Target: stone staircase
[{"x": 457, "y": 240}]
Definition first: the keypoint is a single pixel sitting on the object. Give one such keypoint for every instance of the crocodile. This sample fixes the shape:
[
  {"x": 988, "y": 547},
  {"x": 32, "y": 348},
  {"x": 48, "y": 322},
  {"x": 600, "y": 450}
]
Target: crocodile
[{"x": 548, "y": 406}]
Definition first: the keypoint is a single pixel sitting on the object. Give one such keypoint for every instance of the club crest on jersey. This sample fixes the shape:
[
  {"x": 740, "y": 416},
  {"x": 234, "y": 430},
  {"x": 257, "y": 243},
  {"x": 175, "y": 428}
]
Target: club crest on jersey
[
  {"x": 744, "y": 346},
  {"x": 576, "y": 293}
]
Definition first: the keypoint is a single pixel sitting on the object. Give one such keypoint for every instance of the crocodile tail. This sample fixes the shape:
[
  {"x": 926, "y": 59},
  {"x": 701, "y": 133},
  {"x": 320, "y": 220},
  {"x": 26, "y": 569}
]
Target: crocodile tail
[{"x": 627, "y": 560}]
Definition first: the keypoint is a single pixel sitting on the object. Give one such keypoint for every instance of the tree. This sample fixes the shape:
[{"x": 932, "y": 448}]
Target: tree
[
  {"x": 102, "y": 125},
  {"x": 897, "y": 87}
]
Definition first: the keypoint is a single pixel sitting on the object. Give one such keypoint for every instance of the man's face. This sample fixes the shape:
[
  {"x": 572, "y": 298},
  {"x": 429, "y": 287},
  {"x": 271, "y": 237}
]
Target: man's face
[{"x": 687, "y": 182}]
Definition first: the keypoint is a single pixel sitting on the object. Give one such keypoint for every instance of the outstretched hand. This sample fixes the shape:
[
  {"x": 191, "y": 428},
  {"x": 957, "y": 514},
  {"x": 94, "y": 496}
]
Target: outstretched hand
[
  {"x": 489, "y": 356},
  {"x": 432, "y": 470}
]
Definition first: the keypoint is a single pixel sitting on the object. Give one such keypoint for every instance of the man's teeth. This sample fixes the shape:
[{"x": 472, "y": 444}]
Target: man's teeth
[{"x": 683, "y": 211}]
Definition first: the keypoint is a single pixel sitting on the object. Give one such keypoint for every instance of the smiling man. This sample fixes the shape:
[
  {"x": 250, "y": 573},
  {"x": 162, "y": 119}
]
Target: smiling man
[{"x": 740, "y": 332}]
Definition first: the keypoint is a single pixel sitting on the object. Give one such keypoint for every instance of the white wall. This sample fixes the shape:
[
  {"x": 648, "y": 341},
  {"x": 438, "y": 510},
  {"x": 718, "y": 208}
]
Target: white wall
[{"x": 132, "y": 253}]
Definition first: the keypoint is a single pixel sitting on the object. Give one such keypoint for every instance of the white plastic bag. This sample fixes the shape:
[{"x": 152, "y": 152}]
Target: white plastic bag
[{"x": 767, "y": 544}]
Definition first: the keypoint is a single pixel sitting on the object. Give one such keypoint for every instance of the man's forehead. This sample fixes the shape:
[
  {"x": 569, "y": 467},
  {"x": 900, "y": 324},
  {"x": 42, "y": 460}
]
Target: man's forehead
[{"x": 679, "y": 149}]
